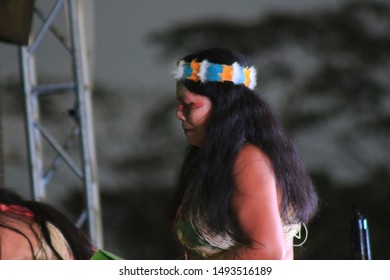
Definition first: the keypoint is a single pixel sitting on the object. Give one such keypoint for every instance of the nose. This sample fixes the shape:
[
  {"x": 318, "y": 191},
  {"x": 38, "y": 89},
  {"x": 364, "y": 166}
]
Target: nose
[{"x": 179, "y": 113}]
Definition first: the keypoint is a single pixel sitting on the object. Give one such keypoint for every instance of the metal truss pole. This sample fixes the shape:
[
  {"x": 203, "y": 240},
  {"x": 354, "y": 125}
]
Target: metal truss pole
[{"x": 37, "y": 133}]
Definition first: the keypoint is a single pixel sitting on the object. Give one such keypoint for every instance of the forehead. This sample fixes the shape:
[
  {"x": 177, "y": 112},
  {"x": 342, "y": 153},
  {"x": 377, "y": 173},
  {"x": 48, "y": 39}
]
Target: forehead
[{"x": 182, "y": 93}]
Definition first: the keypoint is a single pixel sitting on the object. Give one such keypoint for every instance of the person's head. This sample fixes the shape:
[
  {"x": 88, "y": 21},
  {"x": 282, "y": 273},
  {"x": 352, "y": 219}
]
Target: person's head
[
  {"x": 212, "y": 86},
  {"x": 36, "y": 230}
]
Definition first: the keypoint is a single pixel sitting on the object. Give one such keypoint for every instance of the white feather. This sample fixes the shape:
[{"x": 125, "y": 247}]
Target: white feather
[
  {"x": 236, "y": 73},
  {"x": 252, "y": 77},
  {"x": 178, "y": 73},
  {"x": 202, "y": 74}
]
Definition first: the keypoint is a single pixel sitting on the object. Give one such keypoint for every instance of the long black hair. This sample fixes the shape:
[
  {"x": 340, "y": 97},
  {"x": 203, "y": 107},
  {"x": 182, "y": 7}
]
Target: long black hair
[
  {"x": 42, "y": 213},
  {"x": 239, "y": 116}
]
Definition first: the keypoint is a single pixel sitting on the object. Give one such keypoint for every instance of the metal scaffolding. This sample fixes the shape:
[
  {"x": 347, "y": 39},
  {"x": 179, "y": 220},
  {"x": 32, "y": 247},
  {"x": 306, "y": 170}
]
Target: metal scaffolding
[{"x": 79, "y": 86}]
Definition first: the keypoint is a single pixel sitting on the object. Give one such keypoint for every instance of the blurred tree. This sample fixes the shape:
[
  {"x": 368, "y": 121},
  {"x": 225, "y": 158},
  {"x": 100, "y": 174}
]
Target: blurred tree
[{"x": 327, "y": 73}]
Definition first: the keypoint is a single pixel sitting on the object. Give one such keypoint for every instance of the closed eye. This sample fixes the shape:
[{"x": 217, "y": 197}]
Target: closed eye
[{"x": 186, "y": 107}]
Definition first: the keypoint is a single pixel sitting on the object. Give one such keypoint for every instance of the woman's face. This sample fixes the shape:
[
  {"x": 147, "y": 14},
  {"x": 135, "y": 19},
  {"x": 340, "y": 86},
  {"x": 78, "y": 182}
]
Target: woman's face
[{"x": 193, "y": 111}]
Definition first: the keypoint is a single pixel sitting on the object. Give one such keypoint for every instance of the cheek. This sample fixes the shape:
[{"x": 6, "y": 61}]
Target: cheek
[
  {"x": 199, "y": 120},
  {"x": 197, "y": 105}
]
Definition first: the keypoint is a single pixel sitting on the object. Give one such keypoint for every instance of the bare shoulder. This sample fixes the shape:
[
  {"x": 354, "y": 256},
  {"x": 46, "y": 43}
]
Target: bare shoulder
[
  {"x": 253, "y": 171},
  {"x": 251, "y": 156}
]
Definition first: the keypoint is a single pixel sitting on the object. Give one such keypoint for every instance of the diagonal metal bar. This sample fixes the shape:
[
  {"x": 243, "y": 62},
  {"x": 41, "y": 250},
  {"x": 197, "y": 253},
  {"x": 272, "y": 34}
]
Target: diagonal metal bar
[
  {"x": 58, "y": 159},
  {"x": 45, "y": 27},
  {"x": 53, "y": 30},
  {"x": 82, "y": 219},
  {"x": 68, "y": 160}
]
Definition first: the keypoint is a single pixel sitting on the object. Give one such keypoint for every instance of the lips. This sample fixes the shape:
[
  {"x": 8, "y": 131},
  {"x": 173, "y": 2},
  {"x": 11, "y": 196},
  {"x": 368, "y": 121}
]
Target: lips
[{"x": 187, "y": 129}]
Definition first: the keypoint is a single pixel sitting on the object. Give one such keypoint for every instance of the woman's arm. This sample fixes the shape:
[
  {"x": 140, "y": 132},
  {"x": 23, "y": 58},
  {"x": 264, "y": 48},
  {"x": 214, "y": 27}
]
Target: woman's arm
[{"x": 255, "y": 204}]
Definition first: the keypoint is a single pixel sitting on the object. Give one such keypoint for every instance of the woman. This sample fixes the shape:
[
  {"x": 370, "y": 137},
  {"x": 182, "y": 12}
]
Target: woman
[
  {"x": 33, "y": 230},
  {"x": 242, "y": 192}
]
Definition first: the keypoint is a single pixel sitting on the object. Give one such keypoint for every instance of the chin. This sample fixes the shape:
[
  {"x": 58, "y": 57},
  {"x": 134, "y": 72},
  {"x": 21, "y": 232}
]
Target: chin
[
  {"x": 192, "y": 142},
  {"x": 195, "y": 143}
]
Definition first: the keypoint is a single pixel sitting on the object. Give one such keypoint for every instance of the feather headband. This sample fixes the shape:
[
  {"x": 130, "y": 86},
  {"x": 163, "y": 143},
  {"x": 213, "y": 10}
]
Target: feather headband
[{"x": 206, "y": 71}]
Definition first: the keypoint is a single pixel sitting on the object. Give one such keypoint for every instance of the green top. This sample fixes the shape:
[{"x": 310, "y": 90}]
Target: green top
[
  {"x": 104, "y": 255},
  {"x": 200, "y": 245}
]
